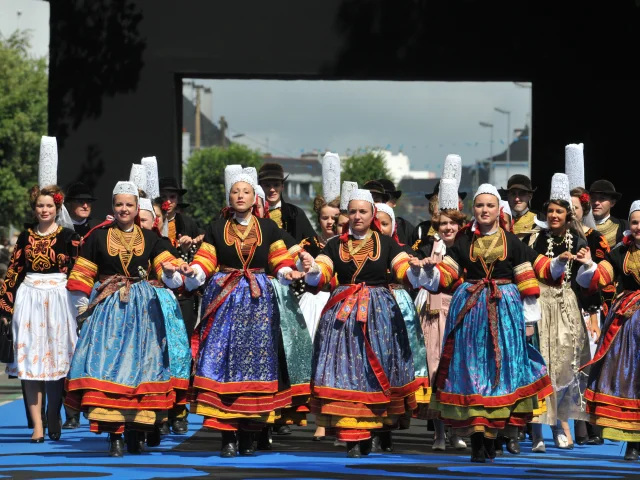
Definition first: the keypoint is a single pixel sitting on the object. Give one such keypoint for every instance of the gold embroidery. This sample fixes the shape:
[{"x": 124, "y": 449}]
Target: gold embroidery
[
  {"x": 523, "y": 225},
  {"x": 125, "y": 245},
  {"x": 631, "y": 264},
  {"x": 39, "y": 250},
  {"x": 242, "y": 236},
  {"x": 489, "y": 247},
  {"x": 609, "y": 230},
  {"x": 276, "y": 216},
  {"x": 367, "y": 248},
  {"x": 353, "y": 251},
  {"x": 172, "y": 229}
]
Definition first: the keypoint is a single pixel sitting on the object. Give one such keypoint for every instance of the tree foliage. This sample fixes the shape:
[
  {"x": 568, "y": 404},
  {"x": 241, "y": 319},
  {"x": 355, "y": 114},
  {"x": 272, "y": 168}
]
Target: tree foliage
[
  {"x": 23, "y": 121},
  {"x": 204, "y": 178},
  {"x": 364, "y": 167}
]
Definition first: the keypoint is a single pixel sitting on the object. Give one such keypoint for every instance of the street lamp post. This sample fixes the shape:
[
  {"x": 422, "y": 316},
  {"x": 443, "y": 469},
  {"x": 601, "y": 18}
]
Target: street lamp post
[
  {"x": 490, "y": 127},
  {"x": 508, "y": 114},
  {"x": 528, "y": 85}
]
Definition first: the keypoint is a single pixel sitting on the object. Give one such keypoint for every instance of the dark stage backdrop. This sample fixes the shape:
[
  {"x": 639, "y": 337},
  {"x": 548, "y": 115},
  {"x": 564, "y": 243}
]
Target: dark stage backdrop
[{"x": 115, "y": 69}]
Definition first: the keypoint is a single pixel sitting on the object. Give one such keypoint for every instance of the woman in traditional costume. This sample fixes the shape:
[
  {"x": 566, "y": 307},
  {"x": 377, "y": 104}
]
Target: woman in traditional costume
[
  {"x": 363, "y": 376},
  {"x": 177, "y": 339},
  {"x": 120, "y": 374},
  {"x": 433, "y": 307},
  {"x": 388, "y": 227},
  {"x": 489, "y": 378},
  {"x": 236, "y": 386},
  {"x": 613, "y": 398},
  {"x": 34, "y": 299},
  {"x": 562, "y": 336}
]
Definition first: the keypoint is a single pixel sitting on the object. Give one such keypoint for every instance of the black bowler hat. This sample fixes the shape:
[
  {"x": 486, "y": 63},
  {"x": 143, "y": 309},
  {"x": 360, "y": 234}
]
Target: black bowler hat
[
  {"x": 390, "y": 188},
  {"x": 271, "y": 171},
  {"x": 518, "y": 182},
  {"x": 374, "y": 186},
  {"x": 605, "y": 187},
  {"x": 436, "y": 190},
  {"x": 171, "y": 184},
  {"x": 79, "y": 191}
]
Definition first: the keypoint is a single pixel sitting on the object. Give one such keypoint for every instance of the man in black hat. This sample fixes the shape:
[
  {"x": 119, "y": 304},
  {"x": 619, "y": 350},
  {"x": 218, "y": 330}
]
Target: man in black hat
[
  {"x": 403, "y": 227},
  {"x": 424, "y": 230},
  {"x": 519, "y": 193},
  {"x": 290, "y": 218},
  {"x": 183, "y": 232},
  {"x": 603, "y": 198},
  {"x": 78, "y": 200}
]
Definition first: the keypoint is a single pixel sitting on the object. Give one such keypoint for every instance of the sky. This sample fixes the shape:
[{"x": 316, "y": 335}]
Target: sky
[{"x": 424, "y": 120}]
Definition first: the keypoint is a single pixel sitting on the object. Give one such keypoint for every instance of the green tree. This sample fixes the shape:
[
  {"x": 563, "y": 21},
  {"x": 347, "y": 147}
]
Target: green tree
[
  {"x": 204, "y": 178},
  {"x": 364, "y": 167},
  {"x": 23, "y": 121}
]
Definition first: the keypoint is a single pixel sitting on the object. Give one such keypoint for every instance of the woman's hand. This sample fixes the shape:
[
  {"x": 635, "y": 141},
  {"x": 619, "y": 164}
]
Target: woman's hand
[
  {"x": 186, "y": 270},
  {"x": 307, "y": 260},
  {"x": 584, "y": 256},
  {"x": 185, "y": 243},
  {"x": 530, "y": 330},
  {"x": 594, "y": 327},
  {"x": 168, "y": 269},
  {"x": 293, "y": 275},
  {"x": 198, "y": 240},
  {"x": 564, "y": 257}
]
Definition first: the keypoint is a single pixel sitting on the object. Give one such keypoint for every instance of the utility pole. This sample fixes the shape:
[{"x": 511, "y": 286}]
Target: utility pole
[
  {"x": 198, "y": 130},
  {"x": 223, "y": 132}
]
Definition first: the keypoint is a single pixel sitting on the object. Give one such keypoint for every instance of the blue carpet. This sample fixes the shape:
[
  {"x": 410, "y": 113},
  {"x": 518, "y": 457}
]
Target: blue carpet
[{"x": 83, "y": 455}]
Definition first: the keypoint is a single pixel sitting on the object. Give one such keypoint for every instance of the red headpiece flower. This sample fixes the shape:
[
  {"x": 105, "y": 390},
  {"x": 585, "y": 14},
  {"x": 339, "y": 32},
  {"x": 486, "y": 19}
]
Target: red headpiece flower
[
  {"x": 585, "y": 198},
  {"x": 57, "y": 199},
  {"x": 165, "y": 206}
]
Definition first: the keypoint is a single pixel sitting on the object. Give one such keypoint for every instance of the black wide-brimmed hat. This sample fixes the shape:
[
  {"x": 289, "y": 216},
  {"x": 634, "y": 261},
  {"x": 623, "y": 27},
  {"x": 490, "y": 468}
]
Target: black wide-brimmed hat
[
  {"x": 374, "y": 186},
  {"x": 390, "y": 188},
  {"x": 605, "y": 187},
  {"x": 436, "y": 190},
  {"x": 171, "y": 184},
  {"x": 271, "y": 171},
  {"x": 518, "y": 182},
  {"x": 79, "y": 191}
]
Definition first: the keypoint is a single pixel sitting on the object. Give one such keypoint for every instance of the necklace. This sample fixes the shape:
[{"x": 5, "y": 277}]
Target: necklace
[
  {"x": 242, "y": 236},
  {"x": 353, "y": 251},
  {"x": 568, "y": 241},
  {"x": 48, "y": 232}
]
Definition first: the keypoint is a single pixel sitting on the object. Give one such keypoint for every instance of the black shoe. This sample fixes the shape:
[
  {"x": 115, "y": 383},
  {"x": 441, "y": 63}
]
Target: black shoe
[
  {"x": 513, "y": 446},
  {"x": 245, "y": 441},
  {"x": 281, "y": 430},
  {"x": 229, "y": 445},
  {"x": 353, "y": 450},
  {"x": 134, "y": 440},
  {"x": 386, "y": 442},
  {"x": 477, "y": 448},
  {"x": 489, "y": 448},
  {"x": 498, "y": 445},
  {"x": 365, "y": 446},
  {"x": 37, "y": 440},
  {"x": 164, "y": 428},
  {"x": 582, "y": 440},
  {"x": 55, "y": 436},
  {"x": 116, "y": 446},
  {"x": 631, "y": 455},
  {"x": 595, "y": 440},
  {"x": 179, "y": 427},
  {"x": 264, "y": 439},
  {"x": 376, "y": 443},
  {"x": 72, "y": 422},
  {"x": 153, "y": 438}
]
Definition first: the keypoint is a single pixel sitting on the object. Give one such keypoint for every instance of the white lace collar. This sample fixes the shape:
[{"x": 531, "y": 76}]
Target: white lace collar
[{"x": 601, "y": 222}]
